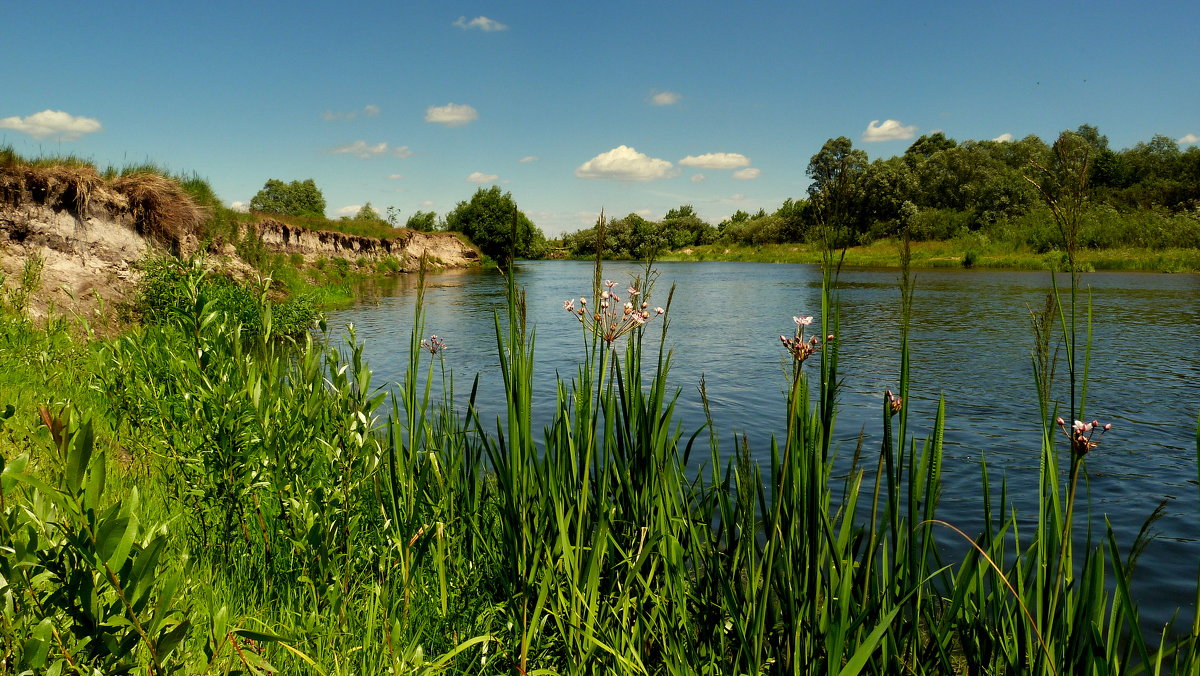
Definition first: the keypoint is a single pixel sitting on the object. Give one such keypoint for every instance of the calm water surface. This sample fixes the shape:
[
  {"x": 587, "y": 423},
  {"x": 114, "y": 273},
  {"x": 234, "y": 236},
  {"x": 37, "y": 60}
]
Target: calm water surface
[{"x": 970, "y": 342}]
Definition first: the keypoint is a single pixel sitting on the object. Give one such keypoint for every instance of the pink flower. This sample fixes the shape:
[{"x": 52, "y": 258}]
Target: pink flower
[
  {"x": 803, "y": 321},
  {"x": 632, "y": 291},
  {"x": 659, "y": 311},
  {"x": 569, "y": 305}
]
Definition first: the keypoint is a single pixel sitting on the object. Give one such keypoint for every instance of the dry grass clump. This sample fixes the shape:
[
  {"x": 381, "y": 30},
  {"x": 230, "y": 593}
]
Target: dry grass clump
[
  {"x": 160, "y": 207},
  {"x": 74, "y": 188}
]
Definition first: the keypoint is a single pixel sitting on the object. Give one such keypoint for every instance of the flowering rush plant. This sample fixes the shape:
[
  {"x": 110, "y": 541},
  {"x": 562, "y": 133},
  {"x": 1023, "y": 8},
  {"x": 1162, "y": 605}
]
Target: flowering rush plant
[
  {"x": 612, "y": 319},
  {"x": 1080, "y": 433},
  {"x": 433, "y": 345},
  {"x": 797, "y": 346}
]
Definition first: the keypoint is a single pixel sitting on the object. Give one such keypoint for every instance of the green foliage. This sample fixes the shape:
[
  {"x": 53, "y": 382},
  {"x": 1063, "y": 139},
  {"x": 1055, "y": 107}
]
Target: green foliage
[
  {"x": 298, "y": 198},
  {"x": 367, "y": 213},
  {"x": 425, "y": 221},
  {"x": 287, "y": 520},
  {"x": 85, "y": 584},
  {"x": 493, "y": 222},
  {"x": 171, "y": 289}
]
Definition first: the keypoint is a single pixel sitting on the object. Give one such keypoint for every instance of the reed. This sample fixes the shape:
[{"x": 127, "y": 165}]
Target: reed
[{"x": 292, "y": 516}]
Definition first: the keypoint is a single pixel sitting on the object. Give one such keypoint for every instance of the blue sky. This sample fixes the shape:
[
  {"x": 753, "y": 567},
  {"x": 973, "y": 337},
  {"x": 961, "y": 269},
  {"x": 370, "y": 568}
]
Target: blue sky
[{"x": 575, "y": 107}]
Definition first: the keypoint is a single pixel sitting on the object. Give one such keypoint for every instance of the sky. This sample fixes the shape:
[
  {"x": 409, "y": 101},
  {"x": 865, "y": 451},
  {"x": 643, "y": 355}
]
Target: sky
[{"x": 625, "y": 106}]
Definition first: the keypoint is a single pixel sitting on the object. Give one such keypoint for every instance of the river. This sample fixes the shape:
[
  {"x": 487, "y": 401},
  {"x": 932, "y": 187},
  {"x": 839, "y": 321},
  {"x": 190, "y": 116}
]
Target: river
[{"x": 970, "y": 342}]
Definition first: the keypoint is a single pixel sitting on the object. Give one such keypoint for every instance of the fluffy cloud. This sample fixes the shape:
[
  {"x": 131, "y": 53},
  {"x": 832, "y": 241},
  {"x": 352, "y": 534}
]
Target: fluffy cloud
[
  {"x": 626, "y": 164},
  {"x": 737, "y": 197},
  {"x": 348, "y": 210},
  {"x": 370, "y": 110},
  {"x": 747, "y": 174},
  {"x": 451, "y": 114},
  {"x": 243, "y": 207},
  {"x": 395, "y": 176},
  {"x": 361, "y": 149},
  {"x": 716, "y": 161},
  {"x": 481, "y": 22},
  {"x": 1188, "y": 139},
  {"x": 1003, "y": 138},
  {"x": 888, "y": 130},
  {"x": 426, "y": 204},
  {"x": 52, "y": 124},
  {"x": 528, "y": 158},
  {"x": 697, "y": 178},
  {"x": 481, "y": 178},
  {"x": 665, "y": 98}
]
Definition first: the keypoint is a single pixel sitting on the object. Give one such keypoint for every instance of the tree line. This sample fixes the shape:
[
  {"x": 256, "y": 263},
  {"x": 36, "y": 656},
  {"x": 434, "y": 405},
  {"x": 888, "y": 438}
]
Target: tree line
[
  {"x": 939, "y": 189},
  {"x": 490, "y": 218}
]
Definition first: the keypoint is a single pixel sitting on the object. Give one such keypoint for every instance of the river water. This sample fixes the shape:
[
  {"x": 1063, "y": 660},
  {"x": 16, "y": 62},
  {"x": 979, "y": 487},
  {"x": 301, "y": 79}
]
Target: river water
[{"x": 970, "y": 342}]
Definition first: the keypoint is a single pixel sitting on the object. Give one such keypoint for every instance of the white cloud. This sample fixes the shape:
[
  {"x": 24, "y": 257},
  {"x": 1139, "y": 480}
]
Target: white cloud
[
  {"x": 395, "y": 176},
  {"x": 1188, "y": 139},
  {"x": 52, "y": 124},
  {"x": 427, "y": 204},
  {"x": 361, "y": 149},
  {"x": 243, "y": 207},
  {"x": 348, "y": 210},
  {"x": 697, "y": 178},
  {"x": 370, "y": 110},
  {"x": 888, "y": 130},
  {"x": 481, "y": 178},
  {"x": 626, "y": 164},
  {"x": 451, "y": 114},
  {"x": 1003, "y": 138},
  {"x": 716, "y": 161},
  {"x": 528, "y": 158},
  {"x": 665, "y": 98},
  {"x": 481, "y": 22},
  {"x": 737, "y": 197},
  {"x": 747, "y": 174}
]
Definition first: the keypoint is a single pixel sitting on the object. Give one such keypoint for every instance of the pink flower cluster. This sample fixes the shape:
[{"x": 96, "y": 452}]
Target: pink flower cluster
[
  {"x": 797, "y": 346},
  {"x": 612, "y": 319},
  {"x": 1080, "y": 433},
  {"x": 433, "y": 345}
]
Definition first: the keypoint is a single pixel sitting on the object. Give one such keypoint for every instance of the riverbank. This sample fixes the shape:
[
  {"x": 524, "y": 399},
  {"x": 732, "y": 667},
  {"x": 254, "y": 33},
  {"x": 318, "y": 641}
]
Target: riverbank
[
  {"x": 949, "y": 254},
  {"x": 218, "y": 500},
  {"x": 87, "y": 232}
]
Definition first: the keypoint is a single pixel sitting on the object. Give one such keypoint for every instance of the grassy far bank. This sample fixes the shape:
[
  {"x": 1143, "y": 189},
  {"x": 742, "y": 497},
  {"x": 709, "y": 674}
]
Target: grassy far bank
[
  {"x": 951, "y": 253},
  {"x": 201, "y": 496}
]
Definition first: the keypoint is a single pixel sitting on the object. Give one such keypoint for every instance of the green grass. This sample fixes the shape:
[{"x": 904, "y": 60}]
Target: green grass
[
  {"x": 951, "y": 253},
  {"x": 194, "y": 498}
]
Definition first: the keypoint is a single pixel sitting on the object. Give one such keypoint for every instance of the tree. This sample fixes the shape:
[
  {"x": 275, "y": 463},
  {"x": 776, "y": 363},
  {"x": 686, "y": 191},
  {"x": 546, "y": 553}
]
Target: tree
[
  {"x": 425, "y": 221},
  {"x": 682, "y": 227},
  {"x": 289, "y": 199},
  {"x": 367, "y": 213},
  {"x": 927, "y": 146},
  {"x": 837, "y": 172},
  {"x": 489, "y": 219}
]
